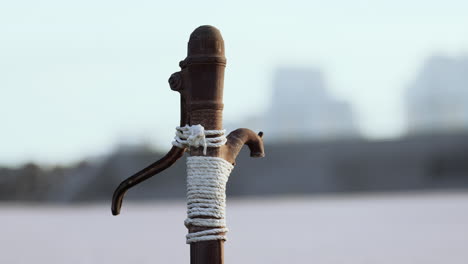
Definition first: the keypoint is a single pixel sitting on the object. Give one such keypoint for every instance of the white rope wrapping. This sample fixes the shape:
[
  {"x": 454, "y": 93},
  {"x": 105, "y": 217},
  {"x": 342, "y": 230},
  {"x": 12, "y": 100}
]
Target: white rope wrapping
[
  {"x": 206, "y": 183},
  {"x": 194, "y": 136},
  {"x": 206, "y": 197}
]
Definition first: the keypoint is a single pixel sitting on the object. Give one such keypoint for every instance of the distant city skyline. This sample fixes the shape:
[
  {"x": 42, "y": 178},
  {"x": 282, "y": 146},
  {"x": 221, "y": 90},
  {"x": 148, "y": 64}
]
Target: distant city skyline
[
  {"x": 78, "y": 78},
  {"x": 303, "y": 109},
  {"x": 437, "y": 100}
]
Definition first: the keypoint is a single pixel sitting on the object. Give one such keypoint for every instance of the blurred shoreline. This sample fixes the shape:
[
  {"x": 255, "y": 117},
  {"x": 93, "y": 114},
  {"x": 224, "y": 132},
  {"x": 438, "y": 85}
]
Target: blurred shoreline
[
  {"x": 418, "y": 162},
  {"x": 277, "y": 199}
]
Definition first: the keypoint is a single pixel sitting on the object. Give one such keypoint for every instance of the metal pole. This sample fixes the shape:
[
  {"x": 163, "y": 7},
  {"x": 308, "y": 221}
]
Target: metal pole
[{"x": 200, "y": 84}]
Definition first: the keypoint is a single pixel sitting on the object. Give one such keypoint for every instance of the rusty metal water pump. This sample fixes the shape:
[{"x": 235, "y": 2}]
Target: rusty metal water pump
[{"x": 212, "y": 155}]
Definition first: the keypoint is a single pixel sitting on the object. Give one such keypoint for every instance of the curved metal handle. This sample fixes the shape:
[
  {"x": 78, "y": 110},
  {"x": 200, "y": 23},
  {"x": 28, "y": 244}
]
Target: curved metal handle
[
  {"x": 165, "y": 162},
  {"x": 176, "y": 84}
]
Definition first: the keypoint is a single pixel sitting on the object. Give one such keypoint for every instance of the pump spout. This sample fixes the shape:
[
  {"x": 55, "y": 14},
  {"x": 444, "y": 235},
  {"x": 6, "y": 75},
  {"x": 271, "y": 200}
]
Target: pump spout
[{"x": 240, "y": 137}]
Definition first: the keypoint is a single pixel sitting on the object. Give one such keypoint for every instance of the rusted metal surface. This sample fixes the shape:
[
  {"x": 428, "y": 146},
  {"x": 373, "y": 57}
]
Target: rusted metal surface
[
  {"x": 170, "y": 158},
  {"x": 200, "y": 83}
]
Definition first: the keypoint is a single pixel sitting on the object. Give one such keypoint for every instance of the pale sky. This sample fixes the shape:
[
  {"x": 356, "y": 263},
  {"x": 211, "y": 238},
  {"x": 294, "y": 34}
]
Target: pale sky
[{"x": 79, "y": 77}]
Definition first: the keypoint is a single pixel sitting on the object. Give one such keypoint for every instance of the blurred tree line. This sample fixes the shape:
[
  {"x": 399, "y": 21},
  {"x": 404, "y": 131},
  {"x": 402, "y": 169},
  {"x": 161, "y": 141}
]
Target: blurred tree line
[{"x": 289, "y": 168}]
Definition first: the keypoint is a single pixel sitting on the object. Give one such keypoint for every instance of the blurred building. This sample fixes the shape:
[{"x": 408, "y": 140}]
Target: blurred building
[
  {"x": 437, "y": 100},
  {"x": 302, "y": 109}
]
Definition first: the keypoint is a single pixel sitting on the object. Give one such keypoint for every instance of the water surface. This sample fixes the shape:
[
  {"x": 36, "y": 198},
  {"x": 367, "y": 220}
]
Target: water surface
[{"x": 409, "y": 228}]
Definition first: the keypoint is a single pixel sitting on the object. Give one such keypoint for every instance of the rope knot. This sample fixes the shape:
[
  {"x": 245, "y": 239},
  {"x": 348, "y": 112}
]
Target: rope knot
[{"x": 195, "y": 136}]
